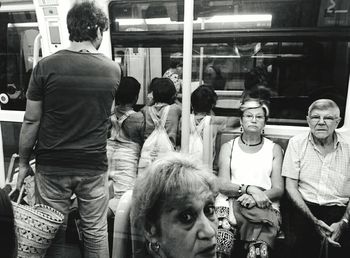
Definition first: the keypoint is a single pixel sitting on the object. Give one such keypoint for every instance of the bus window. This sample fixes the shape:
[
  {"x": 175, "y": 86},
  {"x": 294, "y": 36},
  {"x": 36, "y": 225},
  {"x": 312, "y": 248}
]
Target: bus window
[
  {"x": 19, "y": 29},
  {"x": 292, "y": 51}
]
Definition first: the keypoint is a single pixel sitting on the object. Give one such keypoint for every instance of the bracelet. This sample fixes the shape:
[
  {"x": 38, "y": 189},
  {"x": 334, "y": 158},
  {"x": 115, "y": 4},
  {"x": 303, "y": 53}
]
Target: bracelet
[
  {"x": 345, "y": 220},
  {"x": 246, "y": 189}
]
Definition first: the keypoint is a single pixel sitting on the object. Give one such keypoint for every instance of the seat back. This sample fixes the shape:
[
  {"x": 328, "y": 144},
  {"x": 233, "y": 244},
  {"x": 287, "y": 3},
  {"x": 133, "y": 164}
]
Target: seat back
[{"x": 128, "y": 241}]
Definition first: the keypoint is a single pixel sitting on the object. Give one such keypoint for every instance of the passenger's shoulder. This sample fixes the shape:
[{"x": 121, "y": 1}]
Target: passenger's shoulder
[
  {"x": 176, "y": 107},
  {"x": 137, "y": 115},
  {"x": 344, "y": 138},
  {"x": 300, "y": 137}
]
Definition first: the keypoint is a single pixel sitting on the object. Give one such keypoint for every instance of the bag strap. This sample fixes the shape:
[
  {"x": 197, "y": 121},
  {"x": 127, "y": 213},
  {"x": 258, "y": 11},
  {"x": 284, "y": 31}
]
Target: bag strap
[
  {"x": 153, "y": 114},
  {"x": 165, "y": 115},
  {"x": 124, "y": 117},
  {"x": 156, "y": 120},
  {"x": 233, "y": 142}
]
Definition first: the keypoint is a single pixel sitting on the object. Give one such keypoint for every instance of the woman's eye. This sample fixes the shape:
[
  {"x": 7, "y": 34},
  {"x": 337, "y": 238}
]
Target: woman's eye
[
  {"x": 209, "y": 210},
  {"x": 186, "y": 217}
]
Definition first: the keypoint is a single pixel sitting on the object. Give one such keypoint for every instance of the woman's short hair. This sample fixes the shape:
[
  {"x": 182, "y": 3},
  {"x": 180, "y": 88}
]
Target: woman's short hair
[
  {"x": 252, "y": 104},
  {"x": 323, "y": 104},
  {"x": 7, "y": 225},
  {"x": 203, "y": 99},
  {"x": 83, "y": 21},
  {"x": 164, "y": 90},
  {"x": 127, "y": 91},
  {"x": 169, "y": 181}
]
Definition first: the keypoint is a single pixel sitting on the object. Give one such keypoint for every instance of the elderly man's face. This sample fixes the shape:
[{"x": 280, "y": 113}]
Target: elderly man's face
[{"x": 323, "y": 122}]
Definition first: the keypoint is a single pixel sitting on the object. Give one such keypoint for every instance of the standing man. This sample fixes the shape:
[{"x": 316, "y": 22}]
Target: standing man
[
  {"x": 69, "y": 102},
  {"x": 317, "y": 171}
]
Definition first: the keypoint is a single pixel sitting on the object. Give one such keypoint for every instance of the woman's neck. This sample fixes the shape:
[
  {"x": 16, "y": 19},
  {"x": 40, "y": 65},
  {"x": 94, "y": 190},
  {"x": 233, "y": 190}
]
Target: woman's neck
[{"x": 251, "y": 139}]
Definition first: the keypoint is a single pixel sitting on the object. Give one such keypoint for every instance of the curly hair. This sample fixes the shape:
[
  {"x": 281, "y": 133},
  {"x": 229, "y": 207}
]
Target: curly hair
[{"x": 83, "y": 21}]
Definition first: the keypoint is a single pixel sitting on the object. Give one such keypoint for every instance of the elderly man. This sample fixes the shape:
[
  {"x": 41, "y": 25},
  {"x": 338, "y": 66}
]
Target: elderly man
[{"x": 317, "y": 171}]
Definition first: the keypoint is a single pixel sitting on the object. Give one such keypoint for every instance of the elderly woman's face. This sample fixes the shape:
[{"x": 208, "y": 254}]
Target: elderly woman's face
[
  {"x": 253, "y": 120},
  {"x": 189, "y": 230}
]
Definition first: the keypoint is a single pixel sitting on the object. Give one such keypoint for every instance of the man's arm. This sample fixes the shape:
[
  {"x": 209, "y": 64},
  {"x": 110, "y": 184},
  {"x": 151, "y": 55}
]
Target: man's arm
[
  {"x": 321, "y": 227},
  {"x": 28, "y": 137}
]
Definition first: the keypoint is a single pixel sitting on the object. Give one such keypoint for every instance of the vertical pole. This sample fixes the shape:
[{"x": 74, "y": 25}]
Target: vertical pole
[{"x": 187, "y": 74}]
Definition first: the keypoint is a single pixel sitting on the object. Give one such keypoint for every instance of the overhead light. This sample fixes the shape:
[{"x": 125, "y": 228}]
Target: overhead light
[
  {"x": 241, "y": 18},
  {"x": 150, "y": 21},
  {"x": 244, "y": 18}
]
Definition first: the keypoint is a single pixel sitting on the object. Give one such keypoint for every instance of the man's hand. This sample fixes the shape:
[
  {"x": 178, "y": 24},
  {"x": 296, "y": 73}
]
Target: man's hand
[
  {"x": 24, "y": 171},
  {"x": 326, "y": 231},
  {"x": 337, "y": 228}
]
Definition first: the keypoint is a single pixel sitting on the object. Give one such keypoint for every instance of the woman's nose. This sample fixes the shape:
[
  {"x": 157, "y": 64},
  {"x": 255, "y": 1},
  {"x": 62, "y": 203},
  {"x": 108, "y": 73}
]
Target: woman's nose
[{"x": 207, "y": 227}]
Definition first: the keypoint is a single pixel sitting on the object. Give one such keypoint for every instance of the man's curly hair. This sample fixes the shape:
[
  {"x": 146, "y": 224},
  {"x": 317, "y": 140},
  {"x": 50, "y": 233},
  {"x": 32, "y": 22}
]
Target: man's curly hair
[{"x": 83, "y": 21}]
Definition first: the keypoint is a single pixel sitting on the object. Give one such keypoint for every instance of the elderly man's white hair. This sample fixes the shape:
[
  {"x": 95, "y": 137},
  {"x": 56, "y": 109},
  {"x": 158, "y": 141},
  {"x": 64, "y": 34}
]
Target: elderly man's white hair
[{"x": 323, "y": 104}]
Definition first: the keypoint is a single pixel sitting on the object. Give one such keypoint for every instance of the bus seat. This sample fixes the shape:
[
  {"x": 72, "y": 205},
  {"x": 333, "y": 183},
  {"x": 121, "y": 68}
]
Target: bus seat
[{"x": 127, "y": 239}]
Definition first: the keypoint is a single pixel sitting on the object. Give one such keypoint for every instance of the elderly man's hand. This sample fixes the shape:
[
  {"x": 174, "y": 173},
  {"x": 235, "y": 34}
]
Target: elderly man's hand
[
  {"x": 338, "y": 228},
  {"x": 323, "y": 229}
]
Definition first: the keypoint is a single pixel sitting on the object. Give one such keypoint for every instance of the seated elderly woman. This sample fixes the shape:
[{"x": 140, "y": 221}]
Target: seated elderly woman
[
  {"x": 250, "y": 171},
  {"x": 173, "y": 208}
]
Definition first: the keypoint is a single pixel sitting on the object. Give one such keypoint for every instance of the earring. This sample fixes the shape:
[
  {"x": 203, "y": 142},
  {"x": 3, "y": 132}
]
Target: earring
[
  {"x": 154, "y": 247},
  {"x": 241, "y": 129},
  {"x": 263, "y": 132}
]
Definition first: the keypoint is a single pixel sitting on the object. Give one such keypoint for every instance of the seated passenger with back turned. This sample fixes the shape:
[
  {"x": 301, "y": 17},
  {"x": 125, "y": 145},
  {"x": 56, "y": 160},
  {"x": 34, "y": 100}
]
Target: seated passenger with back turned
[
  {"x": 204, "y": 125},
  {"x": 161, "y": 122},
  {"x": 124, "y": 145},
  {"x": 317, "y": 171},
  {"x": 173, "y": 209},
  {"x": 250, "y": 170}
]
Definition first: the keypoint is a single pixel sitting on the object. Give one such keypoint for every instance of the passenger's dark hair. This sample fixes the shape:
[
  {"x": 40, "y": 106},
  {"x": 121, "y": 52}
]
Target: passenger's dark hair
[
  {"x": 151, "y": 85},
  {"x": 175, "y": 62},
  {"x": 127, "y": 91},
  {"x": 203, "y": 99},
  {"x": 7, "y": 225},
  {"x": 83, "y": 21},
  {"x": 163, "y": 90}
]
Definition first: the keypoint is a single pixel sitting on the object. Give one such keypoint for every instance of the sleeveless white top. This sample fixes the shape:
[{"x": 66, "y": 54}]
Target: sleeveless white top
[{"x": 252, "y": 168}]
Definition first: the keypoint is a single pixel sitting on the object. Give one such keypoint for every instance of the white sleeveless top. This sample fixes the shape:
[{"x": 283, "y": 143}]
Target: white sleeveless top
[{"x": 252, "y": 168}]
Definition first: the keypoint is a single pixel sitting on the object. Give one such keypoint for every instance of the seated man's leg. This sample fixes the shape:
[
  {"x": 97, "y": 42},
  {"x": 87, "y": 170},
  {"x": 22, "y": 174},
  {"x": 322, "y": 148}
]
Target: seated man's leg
[
  {"x": 307, "y": 242},
  {"x": 55, "y": 191},
  {"x": 331, "y": 214},
  {"x": 92, "y": 194}
]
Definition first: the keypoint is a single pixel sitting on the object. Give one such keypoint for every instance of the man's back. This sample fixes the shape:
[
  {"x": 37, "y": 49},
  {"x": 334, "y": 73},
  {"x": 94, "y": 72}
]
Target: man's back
[{"x": 77, "y": 90}]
